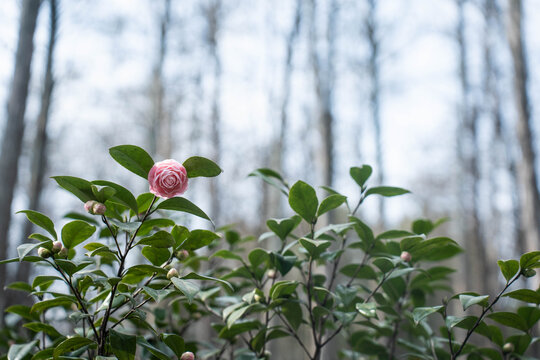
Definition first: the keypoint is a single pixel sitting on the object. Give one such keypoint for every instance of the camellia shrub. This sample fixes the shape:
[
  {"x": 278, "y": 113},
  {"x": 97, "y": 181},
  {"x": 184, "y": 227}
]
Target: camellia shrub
[{"x": 125, "y": 279}]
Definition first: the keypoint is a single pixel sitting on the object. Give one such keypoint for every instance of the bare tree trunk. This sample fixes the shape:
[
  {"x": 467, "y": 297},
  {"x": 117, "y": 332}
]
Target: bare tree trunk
[
  {"x": 528, "y": 178},
  {"x": 468, "y": 151},
  {"x": 213, "y": 17},
  {"x": 372, "y": 34},
  {"x": 39, "y": 153},
  {"x": 161, "y": 143},
  {"x": 14, "y": 130}
]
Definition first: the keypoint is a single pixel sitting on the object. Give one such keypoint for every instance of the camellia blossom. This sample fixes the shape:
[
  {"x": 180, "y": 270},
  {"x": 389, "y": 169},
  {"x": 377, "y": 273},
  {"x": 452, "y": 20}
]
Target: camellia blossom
[{"x": 167, "y": 179}]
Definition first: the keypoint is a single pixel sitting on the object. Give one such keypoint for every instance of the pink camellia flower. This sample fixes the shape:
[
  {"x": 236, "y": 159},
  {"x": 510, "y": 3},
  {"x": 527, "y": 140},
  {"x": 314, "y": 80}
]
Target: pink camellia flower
[{"x": 168, "y": 178}]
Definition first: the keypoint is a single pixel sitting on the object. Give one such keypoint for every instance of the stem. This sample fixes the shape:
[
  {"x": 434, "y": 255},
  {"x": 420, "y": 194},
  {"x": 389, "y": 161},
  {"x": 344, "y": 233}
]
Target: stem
[
  {"x": 103, "y": 328},
  {"x": 294, "y": 334},
  {"x": 481, "y": 317}
]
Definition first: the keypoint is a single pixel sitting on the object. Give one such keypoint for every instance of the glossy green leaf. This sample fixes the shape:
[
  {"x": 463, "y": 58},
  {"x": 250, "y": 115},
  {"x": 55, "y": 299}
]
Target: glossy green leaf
[
  {"x": 75, "y": 232},
  {"x": 160, "y": 239},
  {"x": 187, "y": 287},
  {"x": 156, "y": 353},
  {"x": 509, "y": 319},
  {"x": 257, "y": 256},
  {"x": 40, "y": 220},
  {"x": 199, "y": 166},
  {"x": 369, "y": 309},
  {"x": 420, "y": 313},
  {"x": 529, "y": 259},
  {"x": 183, "y": 205},
  {"x": 386, "y": 191},
  {"x": 509, "y": 268},
  {"x": 283, "y": 288},
  {"x": 79, "y": 187},
  {"x": 361, "y": 175},
  {"x": 133, "y": 158},
  {"x": 195, "y": 276},
  {"x": 283, "y": 263},
  {"x": 123, "y": 345},
  {"x": 121, "y": 196},
  {"x": 41, "y": 327},
  {"x": 303, "y": 200},
  {"x": 525, "y": 295},
  {"x": 71, "y": 344},
  {"x": 20, "y": 351},
  {"x": 330, "y": 203},
  {"x": 469, "y": 300},
  {"x": 43, "y": 305},
  {"x": 292, "y": 311},
  {"x": 315, "y": 247},
  {"x": 25, "y": 249},
  {"x": 283, "y": 227},
  {"x": 174, "y": 342},
  {"x": 198, "y": 239},
  {"x": 273, "y": 178},
  {"x": 226, "y": 254},
  {"x": 156, "y": 256}
]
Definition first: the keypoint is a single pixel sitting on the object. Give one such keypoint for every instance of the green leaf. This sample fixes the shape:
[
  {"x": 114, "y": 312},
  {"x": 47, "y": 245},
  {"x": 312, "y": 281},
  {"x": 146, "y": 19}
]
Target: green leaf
[
  {"x": 43, "y": 305},
  {"x": 283, "y": 288},
  {"x": 361, "y": 175},
  {"x": 359, "y": 271},
  {"x": 199, "y": 166},
  {"x": 525, "y": 295},
  {"x": 226, "y": 254},
  {"x": 283, "y": 227},
  {"x": 330, "y": 203},
  {"x": 20, "y": 286},
  {"x": 420, "y": 313},
  {"x": 156, "y": 256},
  {"x": 183, "y": 205},
  {"x": 19, "y": 351},
  {"x": 25, "y": 249},
  {"x": 152, "y": 349},
  {"x": 40, "y": 220},
  {"x": 42, "y": 279},
  {"x": 508, "y": 268},
  {"x": 71, "y": 344},
  {"x": 161, "y": 239},
  {"x": 386, "y": 191},
  {"x": 144, "y": 200},
  {"x": 195, "y": 276},
  {"x": 470, "y": 300},
  {"x": 369, "y": 309},
  {"x": 292, "y": 311},
  {"x": 46, "y": 328},
  {"x": 282, "y": 263},
  {"x": 122, "y": 196},
  {"x": 509, "y": 319},
  {"x": 422, "y": 226},
  {"x": 315, "y": 247},
  {"x": 257, "y": 256},
  {"x": 529, "y": 259},
  {"x": 174, "y": 342},
  {"x": 530, "y": 314},
  {"x": 122, "y": 345},
  {"x": 394, "y": 234},
  {"x": 186, "y": 287},
  {"x": 75, "y": 232},
  {"x": 198, "y": 239},
  {"x": 133, "y": 158},
  {"x": 273, "y": 178},
  {"x": 79, "y": 187},
  {"x": 303, "y": 200}
]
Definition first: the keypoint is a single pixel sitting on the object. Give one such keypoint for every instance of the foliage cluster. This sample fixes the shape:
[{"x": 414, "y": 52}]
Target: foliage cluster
[{"x": 130, "y": 281}]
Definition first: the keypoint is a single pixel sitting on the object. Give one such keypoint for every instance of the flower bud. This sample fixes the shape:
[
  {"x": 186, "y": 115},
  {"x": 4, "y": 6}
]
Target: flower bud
[
  {"x": 44, "y": 253},
  {"x": 257, "y": 298},
  {"x": 89, "y": 206},
  {"x": 181, "y": 255},
  {"x": 508, "y": 348},
  {"x": 99, "y": 209},
  {"x": 188, "y": 355},
  {"x": 56, "y": 247},
  {"x": 172, "y": 273},
  {"x": 406, "y": 256},
  {"x": 63, "y": 253},
  {"x": 271, "y": 274},
  {"x": 529, "y": 273}
]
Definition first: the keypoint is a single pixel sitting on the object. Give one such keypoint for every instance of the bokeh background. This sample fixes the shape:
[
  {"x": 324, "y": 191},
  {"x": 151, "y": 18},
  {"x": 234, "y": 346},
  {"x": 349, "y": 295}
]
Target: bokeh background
[{"x": 439, "y": 96}]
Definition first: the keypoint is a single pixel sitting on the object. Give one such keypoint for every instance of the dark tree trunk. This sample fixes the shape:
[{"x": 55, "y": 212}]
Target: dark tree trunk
[
  {"x": 527, "y": 175},
  {"x": 14, "y": 129},
  {"x": 39, "y": 153},
  {"x": 467, "y": 143}
]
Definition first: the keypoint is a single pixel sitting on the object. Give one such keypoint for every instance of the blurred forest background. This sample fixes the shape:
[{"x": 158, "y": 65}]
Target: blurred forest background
[{"x": 437, "y": 95}]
